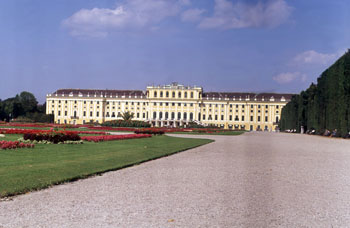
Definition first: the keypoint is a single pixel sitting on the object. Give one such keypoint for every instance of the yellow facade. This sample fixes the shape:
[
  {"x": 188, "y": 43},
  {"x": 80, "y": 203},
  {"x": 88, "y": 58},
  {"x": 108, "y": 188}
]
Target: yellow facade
[{"x": 171, "y": 106}]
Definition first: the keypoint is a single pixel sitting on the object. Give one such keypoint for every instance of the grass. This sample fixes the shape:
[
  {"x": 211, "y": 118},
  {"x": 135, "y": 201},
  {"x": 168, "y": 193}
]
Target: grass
[
  {"x": 214, "y": 133},
  {"x": 24, "y": 170}
]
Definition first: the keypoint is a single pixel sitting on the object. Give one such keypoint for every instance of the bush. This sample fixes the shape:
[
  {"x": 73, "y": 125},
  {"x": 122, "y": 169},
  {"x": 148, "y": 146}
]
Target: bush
[
  {"x": 151, "y": 131},
  {"x": 126, "y": 123},
  {"x": 53, "y": 138}
]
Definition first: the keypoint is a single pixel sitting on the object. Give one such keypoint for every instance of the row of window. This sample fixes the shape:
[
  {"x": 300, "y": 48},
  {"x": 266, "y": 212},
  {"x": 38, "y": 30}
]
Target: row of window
[
  {"x": 167, "y": 94},
  {"x": 173, "y": 104}
]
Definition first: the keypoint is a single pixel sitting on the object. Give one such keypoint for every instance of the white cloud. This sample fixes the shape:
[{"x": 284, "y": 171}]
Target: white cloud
[
  {"x": 192, "y": 15},
  {"x": 133, "y": 14},
  {"x": 285, "y": 78},
  {"x": 228, "y": 15},
  {"x": 314, "y": 57}
]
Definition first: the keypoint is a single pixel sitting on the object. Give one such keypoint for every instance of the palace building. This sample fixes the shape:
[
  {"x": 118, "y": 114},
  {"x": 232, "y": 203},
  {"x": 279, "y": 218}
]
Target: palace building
[{"x": 169, "y": 106}]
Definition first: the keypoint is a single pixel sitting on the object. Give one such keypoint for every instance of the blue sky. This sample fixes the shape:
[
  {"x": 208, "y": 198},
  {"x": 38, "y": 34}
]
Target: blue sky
[{"x": 221, "y": 45}]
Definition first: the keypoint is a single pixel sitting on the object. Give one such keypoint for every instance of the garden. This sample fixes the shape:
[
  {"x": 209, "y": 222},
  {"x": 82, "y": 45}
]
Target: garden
[{"x": 36, "y": 156}]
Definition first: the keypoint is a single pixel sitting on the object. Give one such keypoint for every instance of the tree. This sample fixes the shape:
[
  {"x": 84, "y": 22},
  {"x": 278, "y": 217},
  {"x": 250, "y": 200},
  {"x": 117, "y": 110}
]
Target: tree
[{"x": 127, "y": 115}]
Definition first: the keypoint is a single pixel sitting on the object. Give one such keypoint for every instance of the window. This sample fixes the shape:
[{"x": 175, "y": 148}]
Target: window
[
  {"x": 179, "y": 94},
  {"x": 155, "y": 93},
  {"x": 173, "y": 94},
  {"x": 277, "y": 107},
  {"x": 222, "y": 117},
  {"x": 167, "y": 94},
  {"x": 143, "y": 115},
  {"x": 154, "y": 115},
  {"x": 155, "y": 103},
  {"x": 167, "y": 104},
  {"x": 277, "y": 119},
  {"x": 90, "y": 113},
  {"x": 98, "y": 102},
  {"x": 259, "y": 118},
  {"x": 161, "y": 94},
  {"x": 230, "y": 105},
  {"x": 160, "y": 115},
  {"x": 251, "y": 106},
  {"x": 191, "y": 94},
  {"x": 266, "y": 106},
  {"x": 242, "y": 106},
  {"x": 132, "y": 103},
  {"x": 84, "y": 102},
  {"x": 258, "y": 106},
  {"x": 173, "y": 104},
  {"x": 236, "y": 118},
  {"x": 173, "y": 115},
  {"x": 84, "y": 113},
  {"x": 65, "y": 113},
  {"x": 107, "y": 102},
  {"x": 107, "y": 114},
  {"x": 161, "y": 104},
  {"x": 185, "y": 105},
  {"x": 126, "y": 103},
  {"x": 203, "y": 116},
  {"x": 242, "y": 118},
  {"x": 179, "y": 115},
  {"x": 113, "y": 114},
  {"x": 91, "y": 102},
  {"x": 166, "y": 115},
  {"x": 59, "y": 113},
  {"x": 185, "y": 116},
  {"x": 210, "y": 118},
  {"x": 266, "y": 119},
  {"x": 216, "y": 117},
  {"x": 66, "y": 102},
  {"x": 191, "y": 116},
  {"x": 185, "y": 94},
  {"x": 191, "y": 105},
  {"x": 251, "y": 118},
  {"x": 138, "y": 115},
  {"x": 59, "y": 102},
  {"x": 222, "y": 106},
  {"x": 230, "y": 117},
  {"x": 236, "y": 106},
  {"x": 97, "y": 114}
]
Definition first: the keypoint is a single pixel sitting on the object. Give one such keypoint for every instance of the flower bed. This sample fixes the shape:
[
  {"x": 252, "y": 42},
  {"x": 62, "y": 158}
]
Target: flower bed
[
  {"x": 102, "y": 138},
  {"x": 38, "y": 131},
  {"x": 152, "y": 131},
  {"x": 4, "y": 145},
  {"x": 112, "y": 128}
]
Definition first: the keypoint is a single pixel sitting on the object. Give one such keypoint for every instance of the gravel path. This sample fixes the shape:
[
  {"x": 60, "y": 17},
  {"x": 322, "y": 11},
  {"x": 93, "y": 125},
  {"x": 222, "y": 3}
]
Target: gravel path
[{"x": 252, "y": 180}]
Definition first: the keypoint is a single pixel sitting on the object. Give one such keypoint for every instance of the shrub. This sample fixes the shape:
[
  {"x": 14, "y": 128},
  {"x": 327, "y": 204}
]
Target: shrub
[
  {"x": 126, "y": 123},
  {"x": 53, "y": 138}
]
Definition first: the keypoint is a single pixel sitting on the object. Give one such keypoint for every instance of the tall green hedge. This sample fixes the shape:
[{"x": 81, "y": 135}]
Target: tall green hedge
[{"x": 325, "y": 105}]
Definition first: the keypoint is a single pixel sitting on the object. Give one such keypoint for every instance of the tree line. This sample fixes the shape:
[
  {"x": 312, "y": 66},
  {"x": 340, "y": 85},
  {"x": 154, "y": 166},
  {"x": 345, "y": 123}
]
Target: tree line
[
  {"x": 23, "y": 107},
  {"x": 324, "y": 106}
]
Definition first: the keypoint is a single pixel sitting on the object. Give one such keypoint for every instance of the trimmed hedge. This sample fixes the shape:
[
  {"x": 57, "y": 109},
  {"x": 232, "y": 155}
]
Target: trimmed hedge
[
  {"x": 54, "y": 138},
  {"x": 124, "y": 123}
]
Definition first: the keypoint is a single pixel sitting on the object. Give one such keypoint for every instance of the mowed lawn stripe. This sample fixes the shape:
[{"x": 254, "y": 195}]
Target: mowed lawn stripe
[{"x": 23, "y": 170}]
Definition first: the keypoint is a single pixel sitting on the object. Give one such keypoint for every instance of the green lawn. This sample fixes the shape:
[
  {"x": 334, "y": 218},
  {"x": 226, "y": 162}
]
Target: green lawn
[
  {"x": 214, "y": 133},
  {"x": 23, "y": 170}
]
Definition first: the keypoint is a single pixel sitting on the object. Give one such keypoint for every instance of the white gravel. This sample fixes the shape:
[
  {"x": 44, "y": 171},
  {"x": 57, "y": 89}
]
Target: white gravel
[{"x": 253, "y": 180}]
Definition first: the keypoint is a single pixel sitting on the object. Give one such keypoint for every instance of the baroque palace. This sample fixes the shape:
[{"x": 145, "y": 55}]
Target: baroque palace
[{"x": 169, "y": 106}]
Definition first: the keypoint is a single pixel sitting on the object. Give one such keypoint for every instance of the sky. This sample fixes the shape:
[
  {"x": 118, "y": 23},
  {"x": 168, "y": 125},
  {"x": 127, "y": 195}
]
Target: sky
[{"x": 221, "y": 45}]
